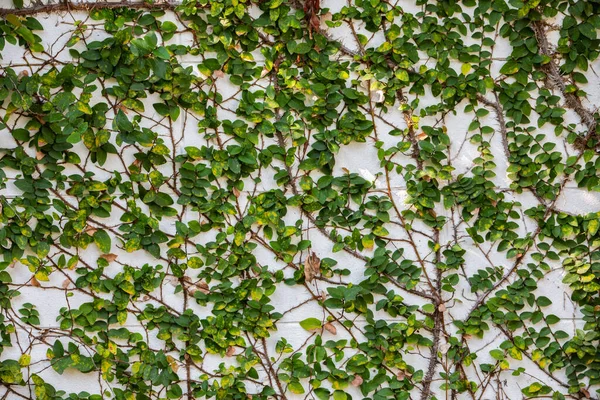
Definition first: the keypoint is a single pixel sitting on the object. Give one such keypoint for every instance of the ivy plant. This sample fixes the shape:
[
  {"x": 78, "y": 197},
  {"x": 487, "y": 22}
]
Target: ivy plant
[{"x": 299, "y": 199}]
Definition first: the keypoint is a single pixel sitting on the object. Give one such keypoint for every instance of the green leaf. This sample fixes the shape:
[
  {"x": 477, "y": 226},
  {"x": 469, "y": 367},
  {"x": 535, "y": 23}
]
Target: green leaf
[
  {"x": 212, "y": 64},
  {"x": 296, "y": 387},
  {"x": 58, "y": 349},
  {"x": 161, "y": 108},
  {"x": 168, "y": 26},
  {"x": 302, "y": 48},
  {"x": 26, "y": 34},
  {"x": 543, "y": 301},
  {"x": 380, "y": 231},
  {"x": 146, "y": 19},
  {"x": 428, "y": 308},
  {"x": 74, "y": 137},
  {"x": 123, "y": 122},
  {"x": 310, "y": 324},
  {"x": 162, "y": 53},
  {"x": 497, "y": 354},
  {"x": 588, "y": 30},
  {"x": 448, "y": 93},
  {"x": 339, "y": 395},
  {"x": 21, "y": 134},
  {"x": 193, "y": 152},
  {"x": 102, "y": 240},
  {"x": 593, "y": 226},
  {"x": 511, "y": 67}
]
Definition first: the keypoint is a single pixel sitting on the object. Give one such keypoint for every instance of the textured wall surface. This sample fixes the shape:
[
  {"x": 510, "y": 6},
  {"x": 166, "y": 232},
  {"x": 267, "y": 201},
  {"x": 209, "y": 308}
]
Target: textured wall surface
[{"x": 296, "y": 302}]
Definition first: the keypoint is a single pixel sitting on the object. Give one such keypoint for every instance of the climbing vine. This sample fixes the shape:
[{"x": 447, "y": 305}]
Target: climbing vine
[{"x": 299, "y": 199}]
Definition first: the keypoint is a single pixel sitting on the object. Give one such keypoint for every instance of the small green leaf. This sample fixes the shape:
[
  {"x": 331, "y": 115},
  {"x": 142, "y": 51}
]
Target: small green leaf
[
  {"x": 511, "y": 67},
  {"x": 593, "y": 226},
  {"x": 21, "y": 134},
  {"x": 339, "y": 395},
  {"x": 311, "y": 324},
  {"x": 587, "y": 30},
  {"x": 296, "y": 387},
  {"x": 168, "y": 26},
  {"x": 380, "y": 231},
  {"x": 543, "y": 301},
  {"x": 102, "y": 240}
]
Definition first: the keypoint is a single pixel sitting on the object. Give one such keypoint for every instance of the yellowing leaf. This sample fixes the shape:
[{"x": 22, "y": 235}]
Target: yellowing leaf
[
  {"x": 84, "y": 108},
  {"x": 296, "y": 387},
  {"x": 515, "y": 353},
  {"x": 24, "y": 360},
  {"x": 593, "y": 226}
]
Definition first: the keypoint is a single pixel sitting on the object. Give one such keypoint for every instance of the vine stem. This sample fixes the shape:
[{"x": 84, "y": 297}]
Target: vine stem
[
  {"x": 69, "y": 6},
  {"x": 438, "y": 321},
  {"x": 500, "y": 117},
  {"x": 555, "y": 79}
]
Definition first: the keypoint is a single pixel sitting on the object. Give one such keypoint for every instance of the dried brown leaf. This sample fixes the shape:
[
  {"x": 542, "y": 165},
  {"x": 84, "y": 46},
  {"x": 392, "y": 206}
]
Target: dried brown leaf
[
  {"x": 230, "y": 351},
  {"x": 315, "y": 22},
  {"x": 34, "y": 282},
  {"x": 326, "y": 17},
  {"x": 312, "y": 267},
  {"x": 110, "y": 257},
  {"x": 66, "y": 283},
  {"x": 357, "y": 381},
  {"x": 330, "y": 328},
  {"x": 203, "y": 287},
  {"x": 173, "y": 364}
]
